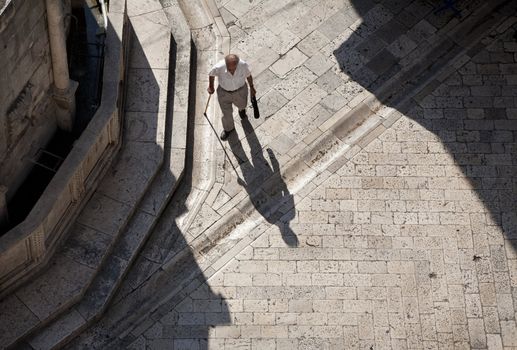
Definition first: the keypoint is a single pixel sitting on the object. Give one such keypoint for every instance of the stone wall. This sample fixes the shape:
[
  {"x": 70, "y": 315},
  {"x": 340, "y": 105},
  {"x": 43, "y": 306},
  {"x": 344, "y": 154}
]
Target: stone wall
[
  {"x": 26, "y": 248},
  {"x": 27, "y": 119}
]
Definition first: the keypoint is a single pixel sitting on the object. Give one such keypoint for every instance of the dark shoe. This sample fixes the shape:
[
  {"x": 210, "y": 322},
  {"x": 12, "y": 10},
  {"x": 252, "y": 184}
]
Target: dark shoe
[
  {"x": 225, "y": 134},
  {"x": 242, "y": 114}
]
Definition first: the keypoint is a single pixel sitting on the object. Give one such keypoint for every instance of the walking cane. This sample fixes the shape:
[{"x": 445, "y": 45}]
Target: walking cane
[{"x": 220, "y": 142}]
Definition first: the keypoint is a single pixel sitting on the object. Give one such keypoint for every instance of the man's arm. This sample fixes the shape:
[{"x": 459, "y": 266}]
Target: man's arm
[
  {"x": 250, "y": 83},
  {"x": 211, "y": 84}
]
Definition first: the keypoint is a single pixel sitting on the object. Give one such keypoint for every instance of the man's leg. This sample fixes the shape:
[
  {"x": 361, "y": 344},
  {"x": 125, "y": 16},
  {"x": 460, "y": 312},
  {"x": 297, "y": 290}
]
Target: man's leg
[
  {"x": 225, "y": 102},
  {"x": 241, "y": 100}
]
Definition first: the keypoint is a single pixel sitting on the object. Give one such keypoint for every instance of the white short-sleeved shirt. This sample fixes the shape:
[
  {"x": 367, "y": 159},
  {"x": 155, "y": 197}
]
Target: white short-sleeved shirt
[{"x": 227, "y": 80}]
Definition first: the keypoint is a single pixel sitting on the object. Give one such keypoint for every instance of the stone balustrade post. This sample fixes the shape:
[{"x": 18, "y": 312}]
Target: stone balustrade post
[
  {"x": 64, "y": 88},
  {"x": 4, "y": 217}
]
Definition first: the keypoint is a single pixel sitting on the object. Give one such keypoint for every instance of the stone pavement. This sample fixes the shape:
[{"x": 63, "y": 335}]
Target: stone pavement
[
  {"x": 408, "y": 239},
  {"x": 315, "y": 64}
]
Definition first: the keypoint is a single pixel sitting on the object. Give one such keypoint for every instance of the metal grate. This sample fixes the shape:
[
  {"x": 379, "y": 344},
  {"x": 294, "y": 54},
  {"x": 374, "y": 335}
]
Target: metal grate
[{"x": 47, "y": 160}]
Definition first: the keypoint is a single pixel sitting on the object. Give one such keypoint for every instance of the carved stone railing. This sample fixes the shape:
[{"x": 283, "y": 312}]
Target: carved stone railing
[{"x": 28, "y": 246}]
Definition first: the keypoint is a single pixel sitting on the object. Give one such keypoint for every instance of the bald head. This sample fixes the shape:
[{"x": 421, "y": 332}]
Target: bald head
[
  {"x": 231, "y": 58},
  {"x": 231, "y": 61}
]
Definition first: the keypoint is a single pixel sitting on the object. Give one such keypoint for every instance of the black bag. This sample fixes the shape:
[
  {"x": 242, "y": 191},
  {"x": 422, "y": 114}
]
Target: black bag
[{"x": 256, "y": 111}]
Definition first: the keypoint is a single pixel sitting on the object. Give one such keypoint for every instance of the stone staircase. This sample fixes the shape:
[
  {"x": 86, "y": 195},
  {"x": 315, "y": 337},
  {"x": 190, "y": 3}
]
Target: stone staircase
[{"x": 84, "y": 274}]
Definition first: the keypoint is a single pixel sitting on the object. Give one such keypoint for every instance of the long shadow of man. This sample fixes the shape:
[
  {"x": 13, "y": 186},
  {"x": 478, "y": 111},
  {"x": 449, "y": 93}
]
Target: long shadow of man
[{"x": 265, "y": 186}]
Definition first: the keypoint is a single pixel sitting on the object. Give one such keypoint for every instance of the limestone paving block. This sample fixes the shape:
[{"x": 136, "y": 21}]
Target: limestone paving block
[
  {"x": 86, "y": 246},
  {"x": 150, "y": 43},
  {"x": 178, "y": 163},
  {"x": 265, "y": 81},
  {"x": 71, "y": 321},
  {"x": 206, "y": 217},
  {"x": 147, "y": 90},
  {"x": 104, "y": 214},
  {"x": 56, "y": 289},
  {"x": 145, "y": 127},
  {"x": 97, "y": 297},
  {"x": 329, "y": 81},
  {"x": 205, "y": 38},
  {"x": 139, "y": 225},
  {"x": 333, "y": 102},
  {"x": 312, "y": 43},
  {"x": 270, "y": 103},
  {"x": 301, "y": 104},
  {"x": 238, "y": 8},
  {"x": 15, "y": 319},
  {"x": 318, "y": 63},
  {"x": 178, "y": 24},
  {"x": 401, "y": 46},
  {"x": 164, "y": 183},
  {"x": 136, "y": 8},
  {"x": 137, "y": 165},
  {"x": 261, "y": 60},
  {"x": 292, "y": 59},
  {"x": 181, "y": 83}
]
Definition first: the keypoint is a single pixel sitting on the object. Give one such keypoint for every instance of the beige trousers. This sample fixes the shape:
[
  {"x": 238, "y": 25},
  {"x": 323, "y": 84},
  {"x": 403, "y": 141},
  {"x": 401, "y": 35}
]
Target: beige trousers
[{"x": 227, "y": 99}]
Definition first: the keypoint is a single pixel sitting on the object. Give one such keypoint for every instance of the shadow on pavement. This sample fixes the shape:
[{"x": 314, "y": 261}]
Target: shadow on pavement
[
  {"x": 151, "y": 287},
  {"x": 264, "y": 183},
  {"x": 471, "y": 113}
]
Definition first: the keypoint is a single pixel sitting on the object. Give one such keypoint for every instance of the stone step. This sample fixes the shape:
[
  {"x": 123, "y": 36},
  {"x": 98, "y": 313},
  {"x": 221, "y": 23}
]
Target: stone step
[
  {"x": 125, "y": 206},
  {"x": 109, "y": 277},
  {"x": 167, "y": 237}
]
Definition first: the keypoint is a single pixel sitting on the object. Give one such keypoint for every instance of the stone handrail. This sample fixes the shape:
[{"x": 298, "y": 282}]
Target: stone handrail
[{"x": 28, "y": 246}]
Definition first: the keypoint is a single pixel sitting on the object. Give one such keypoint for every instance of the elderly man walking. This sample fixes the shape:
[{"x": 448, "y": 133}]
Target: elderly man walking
[{"x": 232, "y": 73}]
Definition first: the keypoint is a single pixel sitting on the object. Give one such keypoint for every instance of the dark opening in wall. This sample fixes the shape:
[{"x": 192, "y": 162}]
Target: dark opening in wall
[
  {"x": 85, "y": 47},
  {"x": 45, "y": 166}
]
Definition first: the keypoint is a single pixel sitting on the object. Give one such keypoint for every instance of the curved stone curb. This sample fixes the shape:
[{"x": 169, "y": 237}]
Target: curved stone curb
[{"x": 201, "y": 17}]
